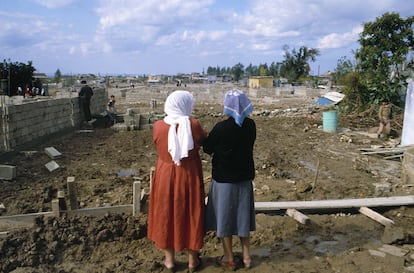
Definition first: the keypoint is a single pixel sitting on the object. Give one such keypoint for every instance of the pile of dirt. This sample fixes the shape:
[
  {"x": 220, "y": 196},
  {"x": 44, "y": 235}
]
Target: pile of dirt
[{"x": 295, "y": 161}]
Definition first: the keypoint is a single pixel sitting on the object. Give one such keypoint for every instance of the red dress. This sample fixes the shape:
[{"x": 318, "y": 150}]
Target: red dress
[{"x": 176, "y": 207}]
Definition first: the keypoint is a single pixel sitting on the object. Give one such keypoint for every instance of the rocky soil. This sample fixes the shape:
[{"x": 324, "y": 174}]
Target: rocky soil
[{"x": 295, "y": 161}]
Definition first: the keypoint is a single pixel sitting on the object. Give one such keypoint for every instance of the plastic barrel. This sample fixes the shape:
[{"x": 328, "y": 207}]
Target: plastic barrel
[{"x": 330, "y": 121}]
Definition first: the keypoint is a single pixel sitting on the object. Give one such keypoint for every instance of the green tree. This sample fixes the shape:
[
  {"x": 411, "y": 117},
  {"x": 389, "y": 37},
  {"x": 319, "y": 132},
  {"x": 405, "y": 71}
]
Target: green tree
[
  {"x": 263, "y": 70},
  {"x": 296, "y": 63},
  {"x": 343, "y": 67},
  {"x": 237, "y": 71},
  {"x": 252, "y": 70},
  {"x": 385, "y": 46},
  {"x": 58, "y": 76},
  {"x": 16, "y": 75},
  {"x": 274, "y": 69},
  {"x": 355, "y": 93}
]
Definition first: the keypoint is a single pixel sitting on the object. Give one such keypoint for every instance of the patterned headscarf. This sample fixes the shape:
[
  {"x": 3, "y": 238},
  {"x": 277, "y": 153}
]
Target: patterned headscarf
[
  {"x": 178, "y": 107},
  {"x": 237, "y": 105}
]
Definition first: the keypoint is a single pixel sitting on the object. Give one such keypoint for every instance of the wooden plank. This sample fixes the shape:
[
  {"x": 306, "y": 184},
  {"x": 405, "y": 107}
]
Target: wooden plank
[
  {"x": 55, "y": 208},
  {"x": 72, "y": 190},
  {"x": 337, "y": 203},
  {"x": 298, "y": 216},
  {"x": 22, "y": 220},
  {"x": 376, "y": 216},
  {"x": 136, "y": 198},
  {"x": 25, "y": 218},
  {"x": 384, "y": 152},
  {"x": 101, "y": 211},
  {"x": 393, "y": 156}
]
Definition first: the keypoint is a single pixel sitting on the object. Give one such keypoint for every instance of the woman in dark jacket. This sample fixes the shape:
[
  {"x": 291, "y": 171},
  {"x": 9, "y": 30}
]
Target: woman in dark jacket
[{"x": 230, "y": 206}]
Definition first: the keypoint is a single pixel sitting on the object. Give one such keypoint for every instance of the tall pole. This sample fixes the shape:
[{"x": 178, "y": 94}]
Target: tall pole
[{"x": 9, "y": 80}]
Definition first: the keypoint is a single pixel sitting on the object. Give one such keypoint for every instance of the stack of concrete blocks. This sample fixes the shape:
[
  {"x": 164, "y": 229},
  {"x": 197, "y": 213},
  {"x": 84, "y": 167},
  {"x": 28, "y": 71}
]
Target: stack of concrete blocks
[
  {"x": 131, "y": 121},
  {"x": 145, "y": 121}
]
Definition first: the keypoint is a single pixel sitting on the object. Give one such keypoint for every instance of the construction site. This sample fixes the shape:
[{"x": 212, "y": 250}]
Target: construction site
[{"x": 75, "y": 199}]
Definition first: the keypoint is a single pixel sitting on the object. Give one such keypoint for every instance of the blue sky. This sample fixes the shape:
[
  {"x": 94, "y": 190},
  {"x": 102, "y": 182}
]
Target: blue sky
[{"x": 181, "y": 36}]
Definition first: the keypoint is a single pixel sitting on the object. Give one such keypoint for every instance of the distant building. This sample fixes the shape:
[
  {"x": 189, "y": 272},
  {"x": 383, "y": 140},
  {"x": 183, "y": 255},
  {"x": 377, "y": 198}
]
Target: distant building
[
  {"x": 261, "y": 82},
  {"x": 211, "y": 78}
]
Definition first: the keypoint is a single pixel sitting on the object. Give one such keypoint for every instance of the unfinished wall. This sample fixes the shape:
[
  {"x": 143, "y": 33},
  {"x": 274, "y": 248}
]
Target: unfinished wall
[
  {"x": 34, "y": 118},
  {"x": 212, "y": 93}
]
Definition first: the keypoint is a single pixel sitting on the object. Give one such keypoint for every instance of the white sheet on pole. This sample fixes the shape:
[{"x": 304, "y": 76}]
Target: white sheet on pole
[{"x": 408, "y": 125}]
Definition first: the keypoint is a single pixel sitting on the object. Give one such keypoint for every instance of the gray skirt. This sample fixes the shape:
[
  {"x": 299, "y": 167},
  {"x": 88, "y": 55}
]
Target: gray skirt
[{"x": 230, "y": 209}]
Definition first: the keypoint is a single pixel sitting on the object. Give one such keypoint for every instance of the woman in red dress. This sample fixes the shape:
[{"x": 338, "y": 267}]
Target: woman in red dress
[{"x": 176, "y": 209}]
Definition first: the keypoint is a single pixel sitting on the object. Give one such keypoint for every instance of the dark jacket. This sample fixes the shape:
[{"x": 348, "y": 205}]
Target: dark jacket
[
  {"x": 86, "y": 92},
  {"x": 232, "y": 150}
]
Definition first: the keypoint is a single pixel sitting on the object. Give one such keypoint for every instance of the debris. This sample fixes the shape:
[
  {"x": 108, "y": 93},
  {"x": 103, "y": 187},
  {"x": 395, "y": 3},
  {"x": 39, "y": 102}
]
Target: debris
[
  {"x": 393, "y": 250},
  {"x": 393, "y": 234},
  {"x": 52, "y": 166},
  {"x": 376, "y": 216},
  {"x": 298, "y": 216},
  {"x": 52, "y": 152},
  {"x": 7, "y": 172},
  {"x": 376, "y": 253}
]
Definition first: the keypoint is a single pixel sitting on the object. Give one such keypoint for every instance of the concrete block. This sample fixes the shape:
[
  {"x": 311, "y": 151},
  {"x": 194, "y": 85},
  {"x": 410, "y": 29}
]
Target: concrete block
[
  {"x": 52, "y": 166},
  {"x": 52, "y": 152},
  {"x": 7, "y": 172},
  {"x": 393, "y": 250},
  {"x": 377, "y": 253}
]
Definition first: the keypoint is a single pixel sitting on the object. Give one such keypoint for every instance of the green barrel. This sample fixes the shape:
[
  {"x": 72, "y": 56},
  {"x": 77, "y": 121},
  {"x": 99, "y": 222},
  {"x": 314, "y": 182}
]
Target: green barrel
[{"x": 330, "y": 121}]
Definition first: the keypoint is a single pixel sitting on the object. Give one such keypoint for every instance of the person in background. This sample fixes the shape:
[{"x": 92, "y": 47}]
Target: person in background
[
  {"x": 230, "y": 205},
  {"x": 27, "y": 93},
  {"x": 176, "y": 207},
  {"x": 85, "y": 95},
  {"x": 20, "y": 91},
  {"x": 385, "y": 116},
  {"x": 110, "y": 109}
]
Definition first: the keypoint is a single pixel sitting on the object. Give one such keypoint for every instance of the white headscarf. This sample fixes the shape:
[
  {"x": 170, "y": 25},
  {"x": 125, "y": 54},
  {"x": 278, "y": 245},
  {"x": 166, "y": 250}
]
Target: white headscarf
[{"x": 178, "y": 107}]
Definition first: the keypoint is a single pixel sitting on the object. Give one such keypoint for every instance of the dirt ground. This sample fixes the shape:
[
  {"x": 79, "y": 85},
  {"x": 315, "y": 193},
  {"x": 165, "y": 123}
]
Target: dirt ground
[{"x": 295, "y": 161}]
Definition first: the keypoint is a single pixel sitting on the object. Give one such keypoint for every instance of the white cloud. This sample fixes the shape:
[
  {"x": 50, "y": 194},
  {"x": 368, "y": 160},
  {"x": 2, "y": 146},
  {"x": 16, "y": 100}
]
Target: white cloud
[
  {"x": 154, "y": 12},
  {"x": 53, "y": 4},
  {"x": 84, "y": 48},
  {"x": 335, "y": 40}
]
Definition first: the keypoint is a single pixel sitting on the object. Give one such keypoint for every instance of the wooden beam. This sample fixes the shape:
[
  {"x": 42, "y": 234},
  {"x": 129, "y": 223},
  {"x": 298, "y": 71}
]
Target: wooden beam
[
  {"x": 55, "y": 207},
  {"x": 298, "y": 216},
  {"x": 385, "y": 151},
  {"x": 136, "y": 198},
  {"x": 376, "y": 216},
  {"x": 101, "y": 211},
  {"x": 337, "y": 203},
  {"x": 393, "y": 156},
  {"x": 72, "y": 190},
  {"x": 23, "y": 218}
]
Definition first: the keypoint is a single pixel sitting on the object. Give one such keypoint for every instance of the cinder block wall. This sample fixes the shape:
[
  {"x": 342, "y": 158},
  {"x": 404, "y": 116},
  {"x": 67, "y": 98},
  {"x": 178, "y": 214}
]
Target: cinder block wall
[{"x": 34, "y": 119}]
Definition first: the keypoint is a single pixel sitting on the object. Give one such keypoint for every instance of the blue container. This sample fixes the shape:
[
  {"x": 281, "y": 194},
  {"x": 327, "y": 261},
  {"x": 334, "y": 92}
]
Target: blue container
[{"x": 330, "y": 121}]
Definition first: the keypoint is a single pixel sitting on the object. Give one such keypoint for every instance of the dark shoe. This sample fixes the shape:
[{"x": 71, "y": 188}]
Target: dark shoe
[
  {"x": 229, "y": 265},
  {"x": 195, "y": 268}
]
